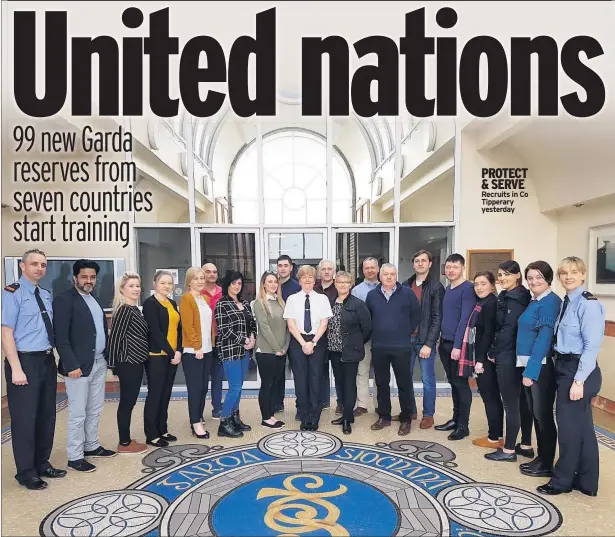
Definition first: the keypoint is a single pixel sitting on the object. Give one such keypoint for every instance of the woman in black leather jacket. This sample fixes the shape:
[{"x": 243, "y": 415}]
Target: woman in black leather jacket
[
  {"x": 348, "y": 331},
  {"x": 512, "y": 302}
]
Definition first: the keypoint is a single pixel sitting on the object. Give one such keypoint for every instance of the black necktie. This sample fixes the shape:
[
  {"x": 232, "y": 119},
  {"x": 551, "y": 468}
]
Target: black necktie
[
  {"x": 307, "y": 318},
  {"x": 46, "y": 319},
  {"x": 561, "y": 316}
]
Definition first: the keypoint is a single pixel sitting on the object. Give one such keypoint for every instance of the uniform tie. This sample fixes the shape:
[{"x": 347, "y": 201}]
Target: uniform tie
[
  {"x": 45, "y": 315},
  {"x": 559, "y": 321},
  {"x": 307, "y": 318}
]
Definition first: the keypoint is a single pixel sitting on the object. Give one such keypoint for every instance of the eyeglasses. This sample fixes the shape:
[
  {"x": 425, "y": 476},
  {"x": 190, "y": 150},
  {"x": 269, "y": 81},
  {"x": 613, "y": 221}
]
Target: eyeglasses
[{"x": 343, "y": 282}]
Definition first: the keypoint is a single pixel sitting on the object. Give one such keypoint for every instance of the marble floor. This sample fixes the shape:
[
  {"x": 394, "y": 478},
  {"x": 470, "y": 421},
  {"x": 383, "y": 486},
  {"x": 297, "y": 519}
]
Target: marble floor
[{"x": 422, "y": 484}]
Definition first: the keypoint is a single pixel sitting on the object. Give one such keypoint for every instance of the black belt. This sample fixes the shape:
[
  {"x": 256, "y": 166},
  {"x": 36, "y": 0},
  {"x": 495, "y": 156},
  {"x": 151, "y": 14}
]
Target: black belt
[
  {"x": 561, "y": 356},
  {"x": 35, "y": 353}
]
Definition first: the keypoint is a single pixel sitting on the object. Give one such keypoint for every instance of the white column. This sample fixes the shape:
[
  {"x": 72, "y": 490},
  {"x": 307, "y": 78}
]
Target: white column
[
  {"x": 457, "y": 187},
  {"x": 260, "y": 170}
]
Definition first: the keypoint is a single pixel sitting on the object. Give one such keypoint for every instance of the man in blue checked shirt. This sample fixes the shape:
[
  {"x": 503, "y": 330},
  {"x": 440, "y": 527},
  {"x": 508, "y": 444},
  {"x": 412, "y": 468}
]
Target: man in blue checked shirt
[{"x": 579, "y": 331}]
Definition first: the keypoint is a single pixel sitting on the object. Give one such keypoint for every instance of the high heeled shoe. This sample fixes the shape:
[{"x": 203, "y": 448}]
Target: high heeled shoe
[{"x": 201, "y": 436}]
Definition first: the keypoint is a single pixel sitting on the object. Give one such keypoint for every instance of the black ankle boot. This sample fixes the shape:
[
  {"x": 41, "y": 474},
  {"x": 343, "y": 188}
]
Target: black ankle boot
[
  {"x": 346, "y": 427},
  {"x": 238, "y": 424},
  {"x": 227, "y": 428}
]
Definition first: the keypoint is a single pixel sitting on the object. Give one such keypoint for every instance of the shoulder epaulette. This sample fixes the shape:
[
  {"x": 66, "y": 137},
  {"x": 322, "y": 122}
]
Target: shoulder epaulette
[
  {"x": 43, "y": 289},
  {"x": 12, "y": 288},
  {"x": 588, "y": 296}
]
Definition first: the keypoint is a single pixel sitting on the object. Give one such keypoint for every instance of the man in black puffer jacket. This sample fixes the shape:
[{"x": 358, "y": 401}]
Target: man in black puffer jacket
[{"x": 429, "y": 292}]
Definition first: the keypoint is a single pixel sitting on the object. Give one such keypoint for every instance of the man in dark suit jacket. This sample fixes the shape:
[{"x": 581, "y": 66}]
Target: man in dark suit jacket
[{"x": 81, "y": 333}]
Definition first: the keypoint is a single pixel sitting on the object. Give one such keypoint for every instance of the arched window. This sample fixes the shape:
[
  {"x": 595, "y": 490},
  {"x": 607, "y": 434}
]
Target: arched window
[{"x": 294, "y": 181}]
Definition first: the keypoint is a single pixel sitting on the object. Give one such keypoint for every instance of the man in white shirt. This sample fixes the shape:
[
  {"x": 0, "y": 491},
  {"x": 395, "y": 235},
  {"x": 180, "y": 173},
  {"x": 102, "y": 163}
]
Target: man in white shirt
[
  {"x": 370, "y": 274},
  {"x": 307, "y": 313}
]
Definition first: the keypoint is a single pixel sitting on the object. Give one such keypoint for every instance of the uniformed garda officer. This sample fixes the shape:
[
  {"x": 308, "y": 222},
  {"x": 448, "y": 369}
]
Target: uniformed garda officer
[
  {"x": 30, "y": 368},
  {"x": 578, "y": 334}
]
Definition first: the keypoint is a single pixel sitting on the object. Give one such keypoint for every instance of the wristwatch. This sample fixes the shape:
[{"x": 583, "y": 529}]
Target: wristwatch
[
  {"x": 578, "y": 382},
  {"x": 314, "y": 342}
]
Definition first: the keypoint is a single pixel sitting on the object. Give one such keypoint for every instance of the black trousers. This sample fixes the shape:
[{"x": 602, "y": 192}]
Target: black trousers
[
  {"x": 490, "y": 393},
  {"x": 399, "y": 359},
  {"x": 197, "y": 381},
  {"x": 279, "y": 387},
  {"x": 131, "y": 377},
  {"x": 460, "y": 387},
  {"x": 307, "y": 372},
  {"x": 325, "y": 385},
  {"x": 345, "y": 374},
  {"x": 271, "y": 368},
  {"x": 578, "y": 447},
  {"x": 33, "y": 413},
  {"x": 517, "y": 411},
  {"x": 541, "y": 399},
  {"x": 160, "y": 377}
]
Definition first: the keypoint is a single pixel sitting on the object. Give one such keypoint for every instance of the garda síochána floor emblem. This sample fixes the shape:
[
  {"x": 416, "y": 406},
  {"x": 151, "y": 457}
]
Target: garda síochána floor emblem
[{"x": 306, "y": 484}]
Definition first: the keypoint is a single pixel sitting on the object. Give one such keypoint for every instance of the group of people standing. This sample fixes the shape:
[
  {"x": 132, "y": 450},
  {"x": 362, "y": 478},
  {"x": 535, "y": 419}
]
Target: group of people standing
[{"x": 525, "y": 347}]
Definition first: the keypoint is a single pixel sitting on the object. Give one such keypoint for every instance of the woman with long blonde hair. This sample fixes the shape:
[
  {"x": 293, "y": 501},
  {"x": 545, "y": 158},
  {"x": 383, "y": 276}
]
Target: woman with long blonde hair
[
  {"x": 127, "y": 351},
  {"x": 165, "y": 351},
  {"x": 198, "y": 341},
  {"x": 272, "y": 341}
]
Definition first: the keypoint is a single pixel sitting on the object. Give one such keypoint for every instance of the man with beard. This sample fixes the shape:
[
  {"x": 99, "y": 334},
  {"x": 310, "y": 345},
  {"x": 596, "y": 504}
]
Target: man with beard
[{"x": 81, "y": 340}]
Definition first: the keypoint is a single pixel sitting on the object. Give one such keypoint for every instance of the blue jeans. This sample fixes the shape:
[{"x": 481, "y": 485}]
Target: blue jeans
[
  {"x": 236, "y": 371},
  {"x": 428, "y": 376},
  {"x": 216, "y": 375}
]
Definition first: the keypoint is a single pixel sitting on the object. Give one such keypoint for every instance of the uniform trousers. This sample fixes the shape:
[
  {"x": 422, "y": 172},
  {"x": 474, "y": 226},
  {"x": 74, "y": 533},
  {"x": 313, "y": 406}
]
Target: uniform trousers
[
  {"x": 33, "y": 413},
  {"x": 578, "y": 447},
  {"x": 307, "y": 374},
  {"x": 160, "y": 377},
  {"x": 541, "y": 399},
  {"x": 86, "y": 399}
]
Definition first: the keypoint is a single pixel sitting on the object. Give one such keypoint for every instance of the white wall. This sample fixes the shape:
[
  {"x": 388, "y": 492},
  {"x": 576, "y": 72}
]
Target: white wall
[
  {"x": 529, "y": 233},
  {"x": 573, "y": 225},
  {"x": 432, "y": 203}
]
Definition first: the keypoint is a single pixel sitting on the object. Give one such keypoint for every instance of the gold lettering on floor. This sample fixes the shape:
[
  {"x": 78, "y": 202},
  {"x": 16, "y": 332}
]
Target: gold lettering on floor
[{"x": 304, "y": 520}]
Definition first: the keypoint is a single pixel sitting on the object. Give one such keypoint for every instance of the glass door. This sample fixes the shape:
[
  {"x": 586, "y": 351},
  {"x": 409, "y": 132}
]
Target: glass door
[
  {"x": 352, "y": 246},
  {"x": 234, "y": 250},
  {"x": 304, "y": 247}
]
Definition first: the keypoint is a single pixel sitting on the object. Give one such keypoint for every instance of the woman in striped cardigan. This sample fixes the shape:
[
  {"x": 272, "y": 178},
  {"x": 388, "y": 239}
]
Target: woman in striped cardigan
[{"x": 127, "y": 351}]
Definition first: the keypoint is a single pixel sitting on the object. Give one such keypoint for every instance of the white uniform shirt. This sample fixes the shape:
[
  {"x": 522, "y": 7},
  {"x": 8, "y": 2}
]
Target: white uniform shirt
[{"x": 320, "y": 309}]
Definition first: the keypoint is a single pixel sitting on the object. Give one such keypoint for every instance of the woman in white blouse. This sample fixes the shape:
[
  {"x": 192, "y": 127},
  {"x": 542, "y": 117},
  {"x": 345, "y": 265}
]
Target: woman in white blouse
[
  {"x": 307, "y": 313},
  {"x": 198, "y": 341}
]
